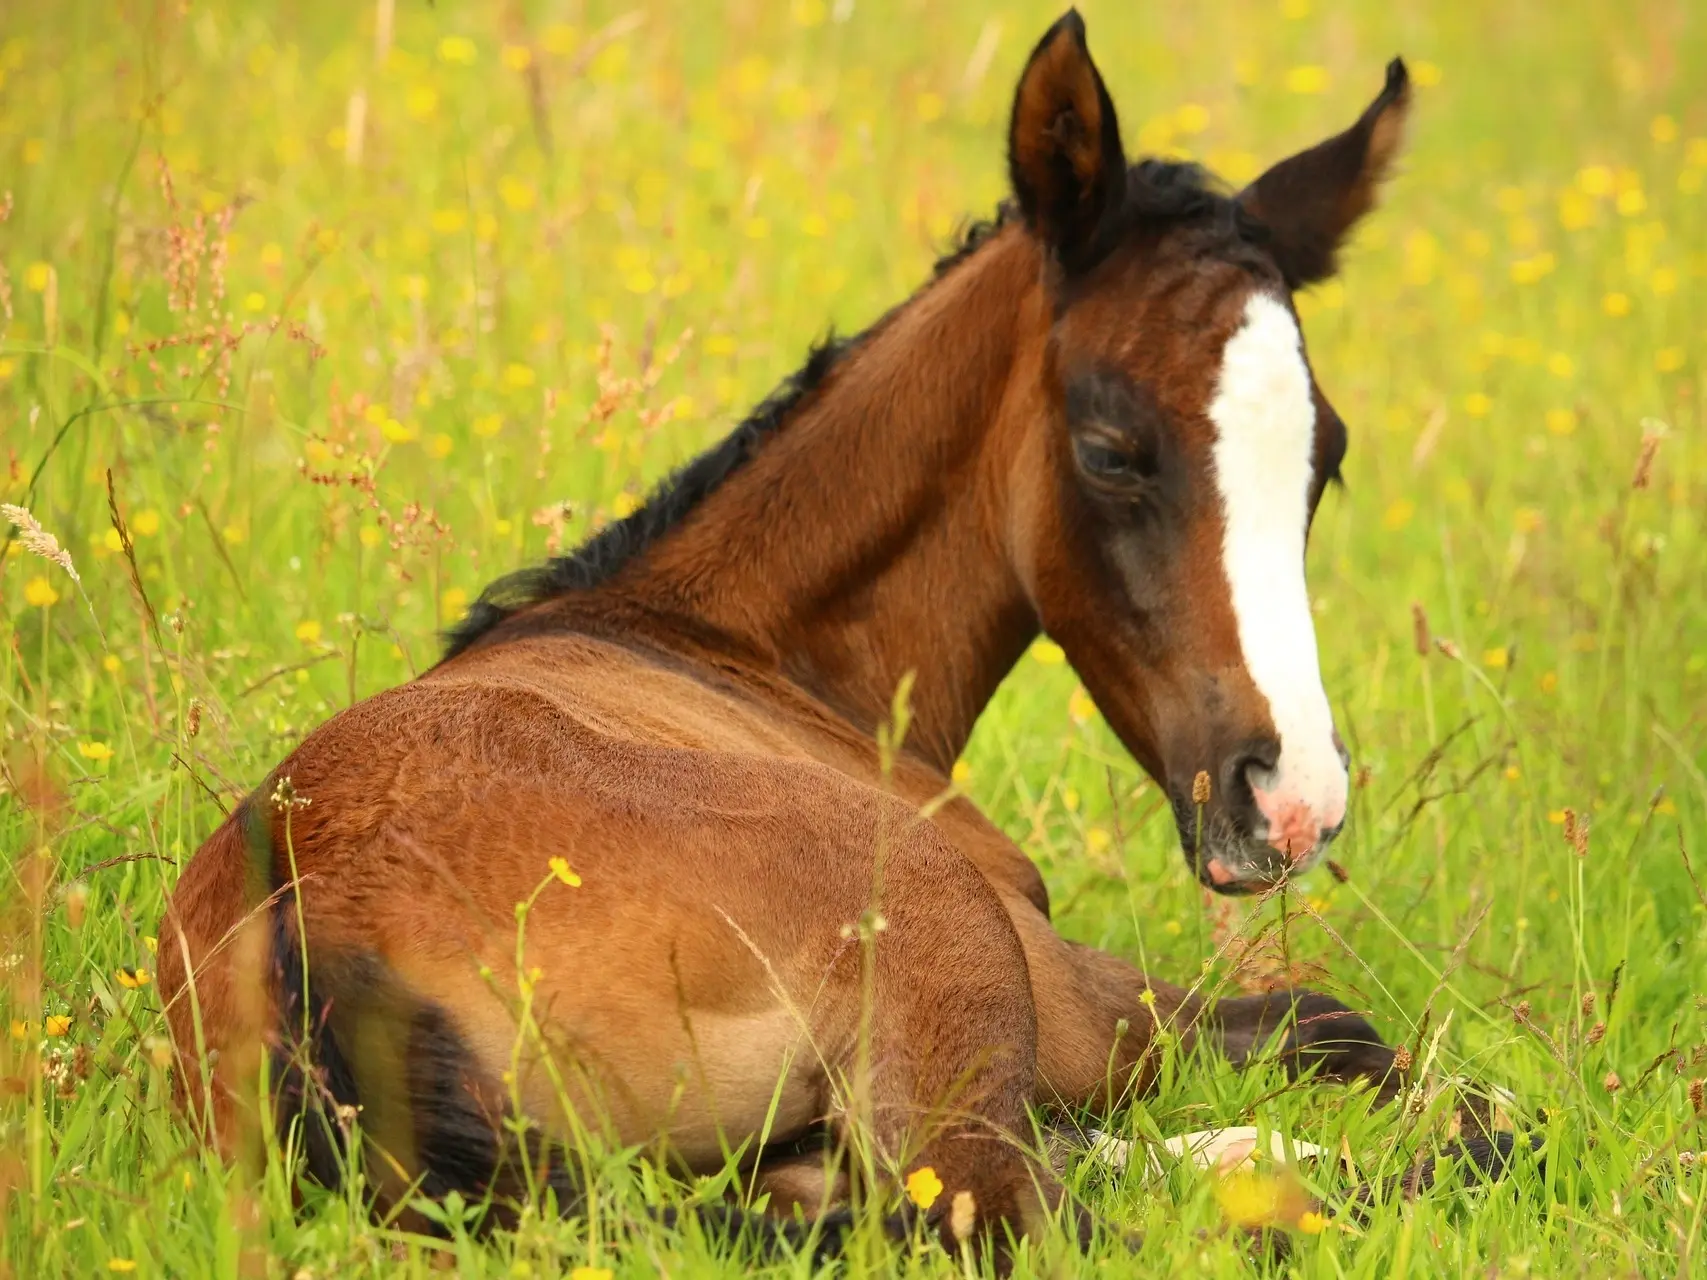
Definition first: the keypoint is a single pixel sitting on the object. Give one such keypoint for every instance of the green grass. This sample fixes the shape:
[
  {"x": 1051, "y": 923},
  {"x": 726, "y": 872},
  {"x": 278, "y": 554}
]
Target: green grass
[{"x": 717, "y": 189}]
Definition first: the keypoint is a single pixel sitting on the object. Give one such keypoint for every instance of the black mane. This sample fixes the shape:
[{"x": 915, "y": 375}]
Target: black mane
[{"x": 1158, "y": 193}]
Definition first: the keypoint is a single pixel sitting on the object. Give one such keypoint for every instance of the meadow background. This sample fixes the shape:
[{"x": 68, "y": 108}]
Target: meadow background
[{"x": 342, "y": 310}]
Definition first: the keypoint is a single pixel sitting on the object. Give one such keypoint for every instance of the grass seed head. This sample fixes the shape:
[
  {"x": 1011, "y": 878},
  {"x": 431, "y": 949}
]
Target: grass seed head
[
  {"x": 37, "y": 539},
  {"x": 1200, "y": 788},
  {"x": 1419, "y": 629}
]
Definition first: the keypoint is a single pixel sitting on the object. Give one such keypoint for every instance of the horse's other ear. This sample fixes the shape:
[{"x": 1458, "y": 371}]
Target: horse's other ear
[
  {"x": 1064, "y": 156},
  {"x": 1310, "y": 201}
]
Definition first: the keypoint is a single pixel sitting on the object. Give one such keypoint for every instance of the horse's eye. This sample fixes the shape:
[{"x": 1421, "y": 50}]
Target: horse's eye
[{"x": 1104, "y": 462}]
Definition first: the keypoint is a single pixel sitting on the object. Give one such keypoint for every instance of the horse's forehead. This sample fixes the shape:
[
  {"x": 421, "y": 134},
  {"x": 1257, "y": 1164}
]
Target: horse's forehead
[{"x": 1166, "y": 323}]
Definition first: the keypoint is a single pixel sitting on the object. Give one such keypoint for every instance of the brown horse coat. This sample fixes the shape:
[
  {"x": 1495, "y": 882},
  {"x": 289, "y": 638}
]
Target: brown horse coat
[{"x": 769, "y": 932}]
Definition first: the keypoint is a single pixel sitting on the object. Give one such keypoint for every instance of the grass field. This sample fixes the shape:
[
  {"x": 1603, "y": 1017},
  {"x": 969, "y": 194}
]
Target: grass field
[{"x": 355, "y": 307}]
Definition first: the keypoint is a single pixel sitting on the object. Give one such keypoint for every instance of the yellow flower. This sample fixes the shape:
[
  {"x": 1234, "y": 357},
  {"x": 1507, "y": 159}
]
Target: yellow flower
[
  {"x": 1048, "y": 653},
  {"x": 58, "y": 1024},
  {"x": 561, "y": 869},
  {"x": 1669, "y": 359},
  {"x": 929, "y": 107},
  {"x": 1312, "y": 1223},
  {"x": 452, "y": 603},
  {"x": 1662, "y": 129},
  {"x": 153, "y": 944},
  {"x": 515, "y": 193},
  {"x": 457, "y": 49},
  {"x": 591, "y": 1273},
  {"x": 1561, "y": 422},
  {"x": 1595, "y": 180},
  {"x": 440, "y": 445},
  {"x": 1425, "y": 74},
  {"x": 397, "y": 432},
  {"x": 1616, "y": 304},
  {"x": 518, "y": 377},
  {"x": 517, "y": 57},
  {"x": 121, "y": 1264},
  {"x": 422, "y": 102},
  {"x": 1631, "y": 202},
  {"x": 1080, "y": 706},
  {"x": 1398, "y": 515},
  {"x": 308, "y": 631},
  {"x": 447, "y": 222},
  {"x": 961, "y": 773},
  {"x": 132, "y": 979},
  {"x": 111, "y": 664},
  {"x": 39, "y": 592},
  {"x": 36, "y": 276},
  {"x": 488, "y": 425},
  {"x": 146, "y": 523},
  {"x": 1477, "y": 404},
  {"x": 1307, "y": 79},
  {"x": 1191, "y": 117},
  {"x": 1249, "y": 1199},
  {"x": 1560, "y": 365},
  {"x": 1495, "y": 658},
  {"x": 22, "y": 1029},
  {"x": 923, "y": 1186},
  {"x": 96, "y": 751}
]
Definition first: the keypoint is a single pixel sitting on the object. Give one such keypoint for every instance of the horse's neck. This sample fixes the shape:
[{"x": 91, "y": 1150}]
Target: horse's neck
[{"x": 870, "y": 536}]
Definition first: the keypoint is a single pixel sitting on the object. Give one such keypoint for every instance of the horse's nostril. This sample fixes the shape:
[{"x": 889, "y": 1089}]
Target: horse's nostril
[{"x": 1249, "y": 767}]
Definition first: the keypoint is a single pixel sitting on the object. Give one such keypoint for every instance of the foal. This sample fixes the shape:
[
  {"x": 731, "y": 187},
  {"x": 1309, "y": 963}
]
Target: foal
[{"x": 1096, "y": 421}]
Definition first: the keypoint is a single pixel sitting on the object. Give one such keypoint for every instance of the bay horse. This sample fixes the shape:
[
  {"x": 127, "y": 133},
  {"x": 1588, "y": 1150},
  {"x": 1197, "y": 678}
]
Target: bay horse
[{"x": 744, "y": 918}]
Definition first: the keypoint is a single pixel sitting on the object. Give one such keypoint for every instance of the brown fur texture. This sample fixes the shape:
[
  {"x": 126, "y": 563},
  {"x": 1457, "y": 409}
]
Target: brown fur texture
[{"x": 695, "y": 734}]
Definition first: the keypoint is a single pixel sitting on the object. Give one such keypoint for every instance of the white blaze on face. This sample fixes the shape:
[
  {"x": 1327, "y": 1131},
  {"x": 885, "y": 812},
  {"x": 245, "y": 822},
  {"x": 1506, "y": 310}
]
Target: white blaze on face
[{"x": 1265, "y": 421}]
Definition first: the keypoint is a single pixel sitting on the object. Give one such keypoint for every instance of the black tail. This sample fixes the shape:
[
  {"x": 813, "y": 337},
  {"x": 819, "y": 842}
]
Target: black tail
[{"x": 353, "y": 1044}]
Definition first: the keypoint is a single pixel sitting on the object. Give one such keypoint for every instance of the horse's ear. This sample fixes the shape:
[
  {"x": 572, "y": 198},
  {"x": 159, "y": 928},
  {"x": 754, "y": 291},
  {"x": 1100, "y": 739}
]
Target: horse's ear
[
  {"x": 1064, "y": 155},
  {"x": 1310, "y": 201}
]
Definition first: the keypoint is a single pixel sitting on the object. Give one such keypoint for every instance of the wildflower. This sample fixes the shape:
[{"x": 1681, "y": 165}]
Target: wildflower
[
  {"x": 133, "y": 979},
  {"x": 458, "y": 50},
  {"x": 1048, "y": 653},
  {"x": 58, "y": 1024},
  {"x": 1669, "y": 359},
  {"x": 591, "y": 1273},
  {"x": 1191, "y": 117},
  {"x": 452, "y": 603},
  {"x": 99, "y": 752},
  {"x": 22, "y": 1028},
  {"x": 1249, "y": 1199},
  {"x": 929, "y": 107},
  {"x": 560, "y": 868},
  {"x": 1080, "y": 706},
  {"x": 308, "y": 631},
  {"x": 111, "y": 664},
  {"x": 1425, "y": 74},
  {"x": 1616, "y": 304},
  {"x": 1495, "y": 658},
  {"x": 1477, "y": 404},
  {"x": 39, "y": 593},
  {"x": 1312, "y": 1223},
  {"x": 1561, "y": 422},
  {"x": 1398, "y": 515},
  {"x": 1307, "y": 79},
  {"x": 36, "y": 276},
  {"x": 518, "y": 377},
  {"x": 517, "y": 57},
  {"x": 147, "y": 523},
  {"x": 121, "y": 1264},
  {"x": 923, "y": 1186},
  {"x": 961, "y": 773},
  {"x": 488, "y": 425}
]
